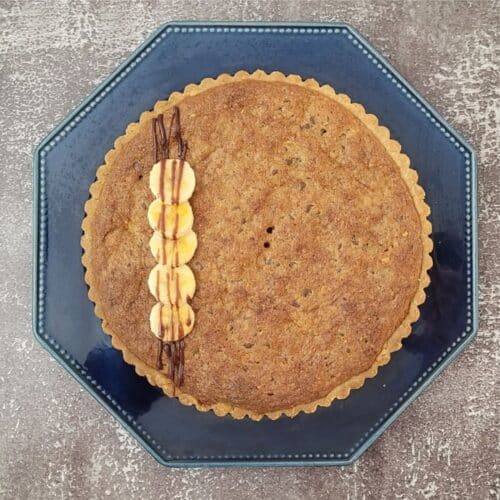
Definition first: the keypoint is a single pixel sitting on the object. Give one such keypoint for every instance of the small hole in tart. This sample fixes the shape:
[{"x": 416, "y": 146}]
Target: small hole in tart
[
  {"x": 140, "y": 177},
  {"x": 270, "y": 229},
  {"x": 323, "y": 131},
  {"x": 267, "y": 244}
]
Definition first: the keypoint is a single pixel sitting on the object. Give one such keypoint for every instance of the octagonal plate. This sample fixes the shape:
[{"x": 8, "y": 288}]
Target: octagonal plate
[{"x": 64, "y": 167}]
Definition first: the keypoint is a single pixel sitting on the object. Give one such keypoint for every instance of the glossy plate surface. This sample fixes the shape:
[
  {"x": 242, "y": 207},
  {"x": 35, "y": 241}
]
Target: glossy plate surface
[{"x": 182, "y": 53}]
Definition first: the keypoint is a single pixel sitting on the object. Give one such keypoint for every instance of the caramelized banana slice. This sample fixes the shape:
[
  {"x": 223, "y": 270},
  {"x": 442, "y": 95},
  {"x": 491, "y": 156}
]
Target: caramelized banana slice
[
  {"x": 171, "y": 323},
  {"x": 172, "y": 181},
  {"x": 173, "y": 253},
  {"x": 172, "y": 285},
  {"x": 171, "y": 220}
]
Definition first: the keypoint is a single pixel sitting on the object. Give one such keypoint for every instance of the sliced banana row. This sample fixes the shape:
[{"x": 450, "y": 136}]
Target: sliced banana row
[{"x": 173, "y": 244}]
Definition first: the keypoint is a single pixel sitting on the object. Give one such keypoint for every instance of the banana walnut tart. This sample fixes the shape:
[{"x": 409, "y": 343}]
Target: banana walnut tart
[{"x": 256, "y": 245}]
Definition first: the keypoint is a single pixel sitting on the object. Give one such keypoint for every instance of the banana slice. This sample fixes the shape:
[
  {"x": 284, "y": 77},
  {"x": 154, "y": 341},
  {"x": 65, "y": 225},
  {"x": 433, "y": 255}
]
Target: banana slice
[
  {"x": 171, "y": 323},
  {"x": 173, "y": 253},
  {"x": 172, "y": 285},
  {"x": 177, "y": 182},
  {"x": 177, "y": 219}
]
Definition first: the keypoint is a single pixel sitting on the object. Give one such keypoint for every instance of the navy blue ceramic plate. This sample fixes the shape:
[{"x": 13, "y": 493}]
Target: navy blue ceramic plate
[{"x": 65, "y": 166}]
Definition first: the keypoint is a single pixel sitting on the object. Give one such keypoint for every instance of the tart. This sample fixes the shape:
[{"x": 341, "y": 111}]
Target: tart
[{"x": 306, "y": 245}]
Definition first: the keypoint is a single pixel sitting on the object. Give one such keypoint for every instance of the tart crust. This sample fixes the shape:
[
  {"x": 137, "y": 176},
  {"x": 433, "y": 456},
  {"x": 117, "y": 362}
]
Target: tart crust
[{"x": 392, "y": 344}]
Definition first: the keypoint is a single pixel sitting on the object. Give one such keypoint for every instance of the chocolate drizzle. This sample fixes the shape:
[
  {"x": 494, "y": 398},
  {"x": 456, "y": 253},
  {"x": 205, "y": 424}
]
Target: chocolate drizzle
[
  {"x": 159, "y": 360},
  {"x": 161, "y": 151}
]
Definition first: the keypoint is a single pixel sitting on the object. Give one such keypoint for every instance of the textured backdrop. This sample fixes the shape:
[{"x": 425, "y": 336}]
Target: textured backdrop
[{"x": 56, "y": 441}]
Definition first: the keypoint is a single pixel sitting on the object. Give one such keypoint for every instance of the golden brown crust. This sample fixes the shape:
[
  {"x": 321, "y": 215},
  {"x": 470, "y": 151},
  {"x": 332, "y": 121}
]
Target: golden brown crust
[{"x": 356, "y": 348}]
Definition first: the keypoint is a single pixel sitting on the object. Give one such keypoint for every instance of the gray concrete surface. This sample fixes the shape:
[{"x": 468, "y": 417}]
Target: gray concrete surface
[{"x": 56, "y": 441}]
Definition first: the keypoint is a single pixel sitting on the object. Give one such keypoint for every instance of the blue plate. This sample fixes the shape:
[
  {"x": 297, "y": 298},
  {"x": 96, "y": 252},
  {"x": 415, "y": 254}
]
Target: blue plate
[{"x": 65, "y": 165}]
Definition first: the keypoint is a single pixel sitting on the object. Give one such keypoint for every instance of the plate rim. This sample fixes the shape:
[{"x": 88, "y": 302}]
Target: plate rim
[{"x": 38, "y": 259}]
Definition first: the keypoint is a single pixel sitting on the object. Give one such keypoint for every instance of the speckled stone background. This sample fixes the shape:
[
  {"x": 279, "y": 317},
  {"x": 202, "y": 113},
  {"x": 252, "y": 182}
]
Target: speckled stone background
[{"x": 56, "y": 441}]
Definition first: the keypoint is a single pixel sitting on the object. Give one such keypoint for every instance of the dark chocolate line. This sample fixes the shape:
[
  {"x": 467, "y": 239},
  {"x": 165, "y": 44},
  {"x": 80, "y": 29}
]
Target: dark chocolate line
[
  {"x": 164, "y": 138},
  {"x": 159, "y": 362},
  {"x": 155, "y": 142}
]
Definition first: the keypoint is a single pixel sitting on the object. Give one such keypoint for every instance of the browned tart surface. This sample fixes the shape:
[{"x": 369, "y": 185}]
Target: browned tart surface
[{"x": 310, "y": 246}]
